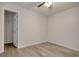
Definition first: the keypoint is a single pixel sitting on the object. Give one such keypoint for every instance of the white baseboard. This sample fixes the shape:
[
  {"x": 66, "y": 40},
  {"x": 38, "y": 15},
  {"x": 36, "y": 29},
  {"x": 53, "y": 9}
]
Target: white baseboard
[
  {"x": 30, "y": 44},
  {"x": 75, "y": 49},
  {"x": 7, "y": 42}
]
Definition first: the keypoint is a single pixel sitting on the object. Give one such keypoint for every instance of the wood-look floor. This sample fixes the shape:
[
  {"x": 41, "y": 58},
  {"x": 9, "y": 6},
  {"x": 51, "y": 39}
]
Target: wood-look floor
[{"x": 40, "y": 50}]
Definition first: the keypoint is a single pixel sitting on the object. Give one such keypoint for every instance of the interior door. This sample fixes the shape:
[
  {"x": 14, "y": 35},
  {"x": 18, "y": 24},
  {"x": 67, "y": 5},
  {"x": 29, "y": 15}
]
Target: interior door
[{"x": 15, "y": 31}]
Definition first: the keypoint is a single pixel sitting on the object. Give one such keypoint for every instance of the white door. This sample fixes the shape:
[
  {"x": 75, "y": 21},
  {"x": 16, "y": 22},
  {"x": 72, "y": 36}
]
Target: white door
[{"x": 15, "y": 31}]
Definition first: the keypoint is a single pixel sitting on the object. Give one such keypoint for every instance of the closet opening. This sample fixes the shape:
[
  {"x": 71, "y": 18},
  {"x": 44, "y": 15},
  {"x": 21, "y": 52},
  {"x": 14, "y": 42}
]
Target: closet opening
[{"x": 10, "y": 29}]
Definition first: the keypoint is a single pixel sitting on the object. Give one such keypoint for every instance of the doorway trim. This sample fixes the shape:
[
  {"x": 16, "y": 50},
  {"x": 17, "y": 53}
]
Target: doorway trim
[{"x": 3, "y": 12}]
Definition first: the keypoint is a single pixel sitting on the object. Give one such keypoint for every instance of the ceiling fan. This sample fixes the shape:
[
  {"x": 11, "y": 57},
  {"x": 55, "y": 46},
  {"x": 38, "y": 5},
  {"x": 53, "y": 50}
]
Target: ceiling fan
[{"x": 47, "y": 4}]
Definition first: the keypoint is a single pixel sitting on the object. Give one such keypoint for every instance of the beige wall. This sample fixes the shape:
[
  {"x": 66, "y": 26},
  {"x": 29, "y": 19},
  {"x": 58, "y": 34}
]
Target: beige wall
[
  {"x": 32, "y": 28},
  {"x": 63, "y": 28}
]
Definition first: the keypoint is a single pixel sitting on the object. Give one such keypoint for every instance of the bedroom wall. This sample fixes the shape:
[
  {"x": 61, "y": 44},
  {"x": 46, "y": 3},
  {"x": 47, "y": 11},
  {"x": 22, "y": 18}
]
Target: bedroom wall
[
  {"x": 32, "y": 28},
  {"x": 63, "y": 28}
]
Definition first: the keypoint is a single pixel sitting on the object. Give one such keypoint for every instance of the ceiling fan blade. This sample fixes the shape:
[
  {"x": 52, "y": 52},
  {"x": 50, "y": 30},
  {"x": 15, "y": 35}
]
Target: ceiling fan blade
[{"x": 41, "y": 4}]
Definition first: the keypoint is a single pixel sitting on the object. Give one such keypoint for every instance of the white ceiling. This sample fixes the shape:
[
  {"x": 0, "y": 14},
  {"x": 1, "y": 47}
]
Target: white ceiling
[
  {"x": 27, "y": 5},
  {"x": 56, "y": 7}
]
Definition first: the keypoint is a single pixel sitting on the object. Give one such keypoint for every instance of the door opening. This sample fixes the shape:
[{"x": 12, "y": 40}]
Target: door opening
[{"x": 10, "y": 29}]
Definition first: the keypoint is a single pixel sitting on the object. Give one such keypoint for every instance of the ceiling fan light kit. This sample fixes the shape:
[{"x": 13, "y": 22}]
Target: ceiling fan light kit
[{"x": 48, "y": 4}]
